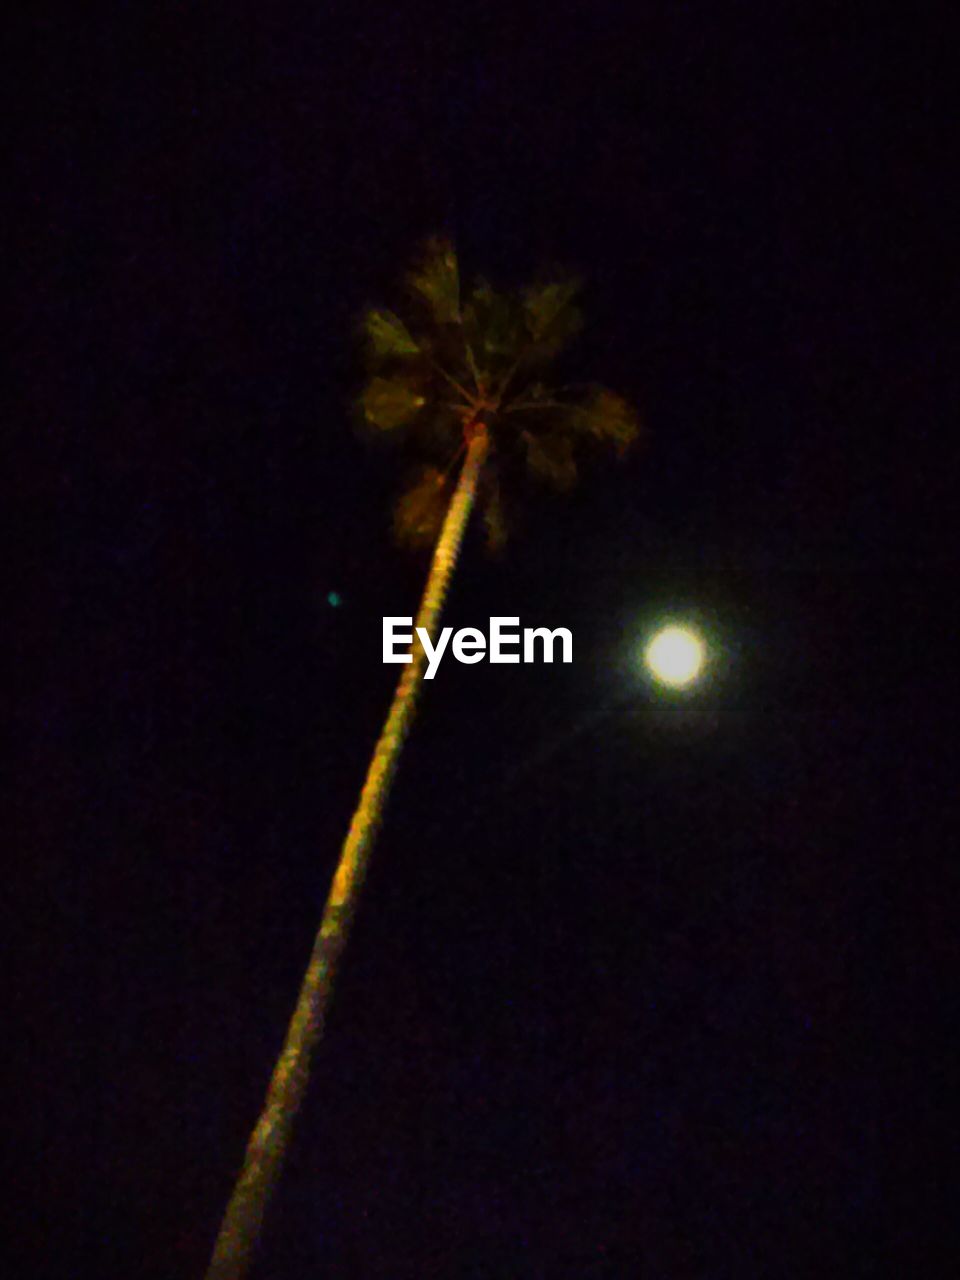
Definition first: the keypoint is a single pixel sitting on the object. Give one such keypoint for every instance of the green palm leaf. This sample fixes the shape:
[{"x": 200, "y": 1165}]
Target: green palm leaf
[
  {"x": 436, "y": 280},
  {"x": 550, "y": 316},
  {"x": 391, "y": 402},
  {"x": 388, "y": 336},
  {"x": 493, "y": 324},
  {"x": 608, "y": 418},
  {"x": 419, "y": 511}
]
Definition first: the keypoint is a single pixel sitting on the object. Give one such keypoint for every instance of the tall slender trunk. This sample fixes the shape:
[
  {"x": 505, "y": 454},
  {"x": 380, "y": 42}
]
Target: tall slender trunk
[{"x": 266, "y": 1149}]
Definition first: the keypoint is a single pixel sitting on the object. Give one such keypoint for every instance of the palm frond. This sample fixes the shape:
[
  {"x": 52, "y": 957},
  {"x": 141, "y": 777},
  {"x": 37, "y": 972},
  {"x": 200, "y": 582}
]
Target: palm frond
[
  {"x": 420, "y": 509},
  {"x": 391, "y": 402},
  {"x": 551, "y": 318},
  {"x": 436, "y": 280},
  {"x": 493, "y": 325},
  {"x": 608, "y": 418},
  {"x": 388, "y": 337},
  {"x": 550, "y": 458}
]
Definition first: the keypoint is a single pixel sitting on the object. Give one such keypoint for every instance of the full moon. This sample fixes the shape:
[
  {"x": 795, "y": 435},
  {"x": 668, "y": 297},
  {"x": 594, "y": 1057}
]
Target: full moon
[{"x": 675, "y": 656}]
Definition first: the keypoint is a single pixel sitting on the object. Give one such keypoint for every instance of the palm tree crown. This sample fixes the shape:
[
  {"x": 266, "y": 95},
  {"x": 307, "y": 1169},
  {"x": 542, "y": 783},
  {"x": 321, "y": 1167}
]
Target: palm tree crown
[{"x": 454, "y": 362}]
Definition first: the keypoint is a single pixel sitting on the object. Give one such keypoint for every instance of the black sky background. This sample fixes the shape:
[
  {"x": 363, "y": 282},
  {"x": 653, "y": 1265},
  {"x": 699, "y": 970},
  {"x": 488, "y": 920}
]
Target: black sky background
[{"x": 637, "y": 986}]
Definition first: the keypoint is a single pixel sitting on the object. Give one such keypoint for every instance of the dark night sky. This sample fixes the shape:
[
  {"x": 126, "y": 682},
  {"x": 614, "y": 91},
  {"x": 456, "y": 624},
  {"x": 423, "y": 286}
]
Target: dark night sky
[{"x": 635, "y": 987}]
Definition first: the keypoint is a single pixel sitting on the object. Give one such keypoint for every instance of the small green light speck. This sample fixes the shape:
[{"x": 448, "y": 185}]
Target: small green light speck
[{"x": 333, "y": 599}]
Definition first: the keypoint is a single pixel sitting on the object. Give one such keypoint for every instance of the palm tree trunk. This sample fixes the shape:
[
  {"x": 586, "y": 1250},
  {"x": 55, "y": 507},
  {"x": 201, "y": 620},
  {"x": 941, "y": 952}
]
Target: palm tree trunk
[{"x": 266, "y": 1149}]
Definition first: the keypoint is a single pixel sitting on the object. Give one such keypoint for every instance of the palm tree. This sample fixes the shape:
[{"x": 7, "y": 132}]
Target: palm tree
[{"x": 459, "y": 384}]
